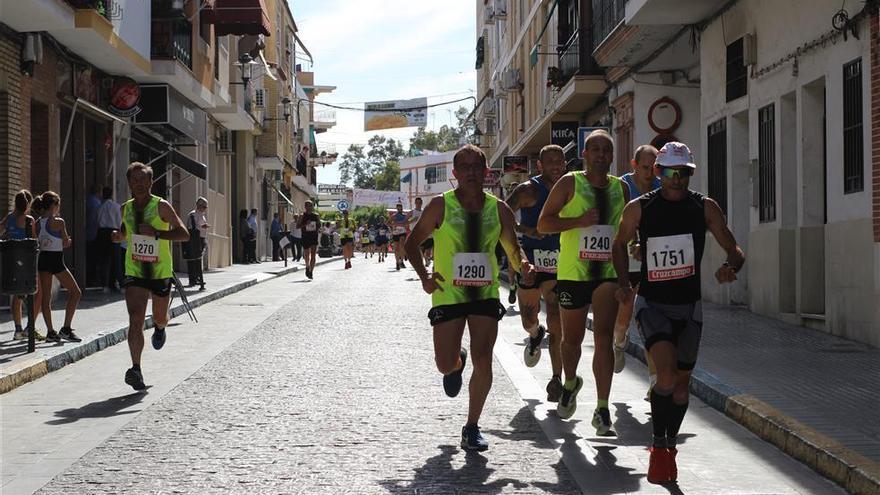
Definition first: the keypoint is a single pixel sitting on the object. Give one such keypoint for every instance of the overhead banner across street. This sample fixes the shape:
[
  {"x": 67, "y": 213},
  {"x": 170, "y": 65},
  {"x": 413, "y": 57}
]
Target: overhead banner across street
[
  {"x": 395, "y": 113},
  {"x": 370, "y": 197}
]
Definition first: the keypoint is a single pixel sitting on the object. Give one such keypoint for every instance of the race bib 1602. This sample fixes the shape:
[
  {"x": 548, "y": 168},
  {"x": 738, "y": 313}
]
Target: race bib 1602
[{"x": 545, "y": 261}]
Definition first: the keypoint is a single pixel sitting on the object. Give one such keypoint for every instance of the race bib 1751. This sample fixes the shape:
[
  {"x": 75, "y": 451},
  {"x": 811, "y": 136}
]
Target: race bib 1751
[
  {"x": 472, "y": 270},
  {"x": 670, "y": 257},
  {"x": 596, "y": 243},
  {"x": 545, "y": 261},
  {"x": 144, "y": 248}
]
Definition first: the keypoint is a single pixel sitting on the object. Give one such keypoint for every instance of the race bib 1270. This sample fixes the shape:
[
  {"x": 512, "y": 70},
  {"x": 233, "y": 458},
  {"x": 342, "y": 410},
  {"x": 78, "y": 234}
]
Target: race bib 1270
[
  {"x": 545, "y": 260},
  {"x": 144, "y": 248},
  {"x": 670, "y": 257},
  {"x": 596, "y": 243},
  {"x": 472, "y": 270}
]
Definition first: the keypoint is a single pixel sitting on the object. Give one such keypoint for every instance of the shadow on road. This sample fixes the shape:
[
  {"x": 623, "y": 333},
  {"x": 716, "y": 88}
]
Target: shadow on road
[
  {"x": 438, "y": 475},
  {"x": 102, "y": 409}
]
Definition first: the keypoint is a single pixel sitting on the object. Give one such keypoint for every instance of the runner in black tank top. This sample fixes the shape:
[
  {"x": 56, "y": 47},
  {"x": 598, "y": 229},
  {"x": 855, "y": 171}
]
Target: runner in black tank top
[{"x": 672, "y": 223}]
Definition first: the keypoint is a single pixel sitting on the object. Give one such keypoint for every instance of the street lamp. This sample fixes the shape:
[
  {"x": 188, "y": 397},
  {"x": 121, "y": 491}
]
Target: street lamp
[
  {"x": 477, "y": 137},
  {"x": 285, "y": 104},
  {"x": 247, "y": 68}
]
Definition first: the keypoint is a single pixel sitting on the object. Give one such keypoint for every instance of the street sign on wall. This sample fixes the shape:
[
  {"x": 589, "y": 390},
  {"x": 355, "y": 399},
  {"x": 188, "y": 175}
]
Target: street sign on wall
[{"x": 583, "y": 132}]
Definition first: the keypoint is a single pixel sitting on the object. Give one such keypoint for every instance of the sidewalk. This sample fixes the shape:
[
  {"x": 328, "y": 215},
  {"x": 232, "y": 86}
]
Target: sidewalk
[
  {"x": 102, "y": 320},
  {"x": 812, "y": 394}
]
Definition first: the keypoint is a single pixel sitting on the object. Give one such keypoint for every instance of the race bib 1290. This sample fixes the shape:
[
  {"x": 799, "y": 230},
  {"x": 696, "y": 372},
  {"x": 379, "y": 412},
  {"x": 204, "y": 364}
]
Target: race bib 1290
[
  {"x": 545, "y": 261},
  {"x": 596, "y": 243},
  {"x": 144, "y": 248},
  {"x": 472, "y": 270},
  {"x": 670, "y": 257}
]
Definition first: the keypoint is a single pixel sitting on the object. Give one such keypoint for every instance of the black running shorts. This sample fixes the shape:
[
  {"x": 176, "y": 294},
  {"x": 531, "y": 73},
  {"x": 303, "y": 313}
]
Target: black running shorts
[
  {"x": 576, "y": 295},
  {"x": 680, "y": 324},
  {"x": 159, "y": 287},
  {"x": 485, "y": 307},
  {"x": 540, "y": 278}
]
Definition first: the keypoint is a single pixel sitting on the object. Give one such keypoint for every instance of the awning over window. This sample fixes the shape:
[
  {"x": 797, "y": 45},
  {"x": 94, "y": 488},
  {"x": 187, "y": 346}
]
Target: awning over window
[
  {"x": 239, "y": 17},
  {"x": 198, "y": 169},
  {"x": 283, "y": 196}
]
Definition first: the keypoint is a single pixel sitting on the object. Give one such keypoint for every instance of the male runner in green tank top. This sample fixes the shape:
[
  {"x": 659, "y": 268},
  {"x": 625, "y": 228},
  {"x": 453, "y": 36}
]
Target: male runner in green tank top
[
  {"x": 149, "y": 225},
  {"x": 467, "y": 223},
  {"x": 585, "y": 208}
]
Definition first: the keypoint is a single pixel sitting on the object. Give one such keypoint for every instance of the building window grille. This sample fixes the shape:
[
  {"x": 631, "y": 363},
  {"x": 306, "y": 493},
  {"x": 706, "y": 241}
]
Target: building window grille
[
  {"x": 718, "y": 163},
  {"x": 767, "y": 163},
  {"x": 736, "y": 75},
  {"x": 853, "y": 139},
  {"x": 436, "y": 174},
  {"x": 259, "y": 97}
]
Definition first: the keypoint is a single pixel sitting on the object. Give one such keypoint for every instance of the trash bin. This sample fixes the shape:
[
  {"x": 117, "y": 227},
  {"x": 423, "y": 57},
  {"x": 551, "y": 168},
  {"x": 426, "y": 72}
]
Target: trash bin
[{"x": 18, "y": 266}]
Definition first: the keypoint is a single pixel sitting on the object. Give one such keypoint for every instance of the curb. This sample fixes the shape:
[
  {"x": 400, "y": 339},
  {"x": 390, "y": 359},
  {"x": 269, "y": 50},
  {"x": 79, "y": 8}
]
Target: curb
[
  {"x": 854, "y": 472},
  {"x": 39, "y": 367}
]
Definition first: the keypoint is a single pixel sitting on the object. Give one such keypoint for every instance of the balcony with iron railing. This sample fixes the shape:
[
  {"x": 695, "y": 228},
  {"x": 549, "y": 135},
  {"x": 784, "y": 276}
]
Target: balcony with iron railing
[
  {"x": 607, "y": 14},
  {"x": 569, "y": 58},
  {"x": 325, "y": 119},
  {"x": 172, "y": 40}
]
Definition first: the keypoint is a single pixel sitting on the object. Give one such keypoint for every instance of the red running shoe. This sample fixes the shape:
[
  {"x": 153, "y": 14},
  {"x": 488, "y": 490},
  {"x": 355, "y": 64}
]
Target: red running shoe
[{"x": 660, "y": 465}]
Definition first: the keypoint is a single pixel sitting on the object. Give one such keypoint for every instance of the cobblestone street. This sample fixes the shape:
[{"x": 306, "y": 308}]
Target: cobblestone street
[{"x": 331, "y": 388}]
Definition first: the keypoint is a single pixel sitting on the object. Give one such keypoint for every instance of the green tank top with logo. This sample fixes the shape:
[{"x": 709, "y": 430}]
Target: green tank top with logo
[
  {"x": 145, "y": 256},
  {"x": 464, "y": 252},
  {"x": 585, "y": 253},
  {"x": 346, "y": 229}
]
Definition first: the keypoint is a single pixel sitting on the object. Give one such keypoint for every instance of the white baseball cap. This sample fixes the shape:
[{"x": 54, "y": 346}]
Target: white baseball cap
[{"x": 675, "y": 154}]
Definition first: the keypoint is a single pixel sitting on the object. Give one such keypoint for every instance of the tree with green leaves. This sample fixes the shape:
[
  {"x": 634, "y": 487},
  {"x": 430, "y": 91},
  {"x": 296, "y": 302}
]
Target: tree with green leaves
[
  {"x": 377, "y": 168},
  {"x": 447, "y": 138}
]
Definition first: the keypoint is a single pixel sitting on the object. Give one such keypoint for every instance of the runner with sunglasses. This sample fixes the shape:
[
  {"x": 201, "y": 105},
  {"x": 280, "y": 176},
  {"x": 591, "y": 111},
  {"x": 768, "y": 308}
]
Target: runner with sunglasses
[{"x": 671, "y": 223}]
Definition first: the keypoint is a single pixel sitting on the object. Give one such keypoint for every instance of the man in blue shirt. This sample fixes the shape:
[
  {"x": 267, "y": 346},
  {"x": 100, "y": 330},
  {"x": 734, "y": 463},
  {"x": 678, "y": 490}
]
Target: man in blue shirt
[{"x": 641, "y": 180}]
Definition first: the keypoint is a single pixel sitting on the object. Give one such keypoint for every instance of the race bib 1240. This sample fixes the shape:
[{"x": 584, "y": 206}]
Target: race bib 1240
[
  {"x": 670, "y": 257},
  {"x": 596, "y": 243},
  {"x": 472, "y": 270}
]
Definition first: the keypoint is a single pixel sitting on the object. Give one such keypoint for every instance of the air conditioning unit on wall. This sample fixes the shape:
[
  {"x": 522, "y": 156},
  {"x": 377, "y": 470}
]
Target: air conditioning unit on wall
[
  {"x": 500, "y": 9},
  {"x": 511, "y": 80}
]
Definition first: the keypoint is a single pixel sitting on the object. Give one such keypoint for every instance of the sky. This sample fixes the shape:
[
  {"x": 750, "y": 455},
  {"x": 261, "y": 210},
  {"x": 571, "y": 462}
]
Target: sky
[{"x": 374, "y": 50}]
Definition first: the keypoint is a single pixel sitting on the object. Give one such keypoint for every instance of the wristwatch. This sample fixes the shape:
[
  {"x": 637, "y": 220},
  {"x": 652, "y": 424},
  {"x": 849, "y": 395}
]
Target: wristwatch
[
  {"x": 735, "y": 270},
  {"x": 157, "y": 235}
]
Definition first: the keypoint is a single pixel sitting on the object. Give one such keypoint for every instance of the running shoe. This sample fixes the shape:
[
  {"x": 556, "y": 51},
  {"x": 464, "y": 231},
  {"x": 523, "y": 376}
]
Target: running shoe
[
  {"x": 37, "y": 334},
  {"x": 532, "y": 351},
  {"x": 19, "y": 335},
  {"x": 511, "y": 298},
  {"x": 472, "y": 439},
  {"x": 452, "y": 381},
  {"x": 158, "y": 338},
  {"x": 135, "y": 379},
  {"x": 66, "y": 333},
  {"x": 554, "y": 389},
  {"x": 619, "y": 356},
  {"x": 568, "y": 400},
  {"x": 659, "y": 466},
  {"x": 602, "y": 423},
  {"x": 52, "y": 336}
]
